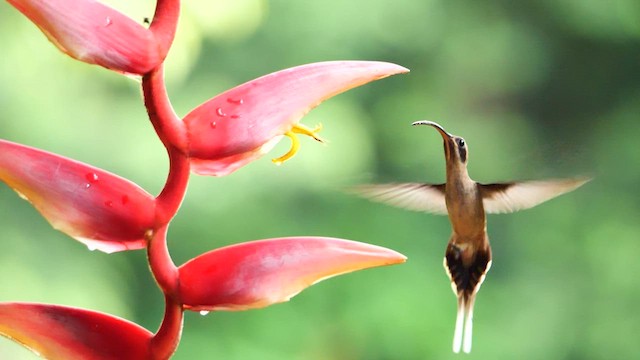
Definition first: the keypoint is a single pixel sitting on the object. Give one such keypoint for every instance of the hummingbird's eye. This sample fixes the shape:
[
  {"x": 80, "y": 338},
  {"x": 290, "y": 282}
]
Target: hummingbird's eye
[{"x": 461, "y": 142}]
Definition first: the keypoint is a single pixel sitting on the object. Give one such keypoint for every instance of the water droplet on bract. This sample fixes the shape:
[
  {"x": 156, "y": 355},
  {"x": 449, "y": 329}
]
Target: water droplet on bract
[
  {"x": 221, "y": 112},
  {"x": 108, "y": 21},
  {"x": 86, "y": 186},
  {"x": 204, "y": 312},
  {"x": 213, "y": 124},
  {"x": 237, "y": 101},
  {"x": 108, "y": 203},
  {"x": 92, "y": 177},
  {"x": 22, "y": 196},
  {"x": 91, "y": 247},
  {"x": 124, "y": 200}
]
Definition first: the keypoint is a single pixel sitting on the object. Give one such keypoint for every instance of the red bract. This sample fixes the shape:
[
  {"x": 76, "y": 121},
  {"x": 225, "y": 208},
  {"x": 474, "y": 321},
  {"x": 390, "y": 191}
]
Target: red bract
[
  {"x": 260, "y": 273},
  {"x": 245, "y": 122},
  {"x": 58, "y": 332},
  {"x": 94, "y": 33},
  {"x": 97, "y": 208}
]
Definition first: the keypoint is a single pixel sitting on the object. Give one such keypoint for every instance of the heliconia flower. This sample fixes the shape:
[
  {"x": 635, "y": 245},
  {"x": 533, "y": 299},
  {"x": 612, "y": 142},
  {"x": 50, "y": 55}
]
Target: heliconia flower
[
  {"x": 244, "y": 123},
  {"x": 97, "y": 208},
  {"x": 58, "y": 332},
  {"x": 92, "y": 32},
  {"x": 260, "y": 273}
]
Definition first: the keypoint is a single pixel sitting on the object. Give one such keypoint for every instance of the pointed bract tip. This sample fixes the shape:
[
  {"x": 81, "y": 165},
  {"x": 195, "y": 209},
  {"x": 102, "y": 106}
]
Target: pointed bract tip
[{"x": 389, "y": 68}]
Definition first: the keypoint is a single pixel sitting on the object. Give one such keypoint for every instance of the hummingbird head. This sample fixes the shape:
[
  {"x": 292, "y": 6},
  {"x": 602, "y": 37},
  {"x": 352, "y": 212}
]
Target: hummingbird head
[{"x": 455, "y": 148}]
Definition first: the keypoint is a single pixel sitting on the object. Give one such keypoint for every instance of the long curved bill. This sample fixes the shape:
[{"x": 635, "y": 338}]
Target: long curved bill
[{"x": 441, "y": 130}]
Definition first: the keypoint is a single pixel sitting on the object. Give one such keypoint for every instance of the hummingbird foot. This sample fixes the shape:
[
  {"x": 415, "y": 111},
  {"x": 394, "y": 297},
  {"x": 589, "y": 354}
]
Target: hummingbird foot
[{"x": 295, "y": 142}]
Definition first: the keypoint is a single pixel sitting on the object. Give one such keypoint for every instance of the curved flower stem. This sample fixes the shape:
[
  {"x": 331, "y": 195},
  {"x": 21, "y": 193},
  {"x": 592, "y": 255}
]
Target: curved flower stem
[
  {"x": 162, "y": 266},
  {"x": 169, "y": 127},
  {"x": 170, "y": 198},
  {"x": 172, "y": 132},
  {"x": 166, "y": 339},
  {"x": 165, "y": 22}
]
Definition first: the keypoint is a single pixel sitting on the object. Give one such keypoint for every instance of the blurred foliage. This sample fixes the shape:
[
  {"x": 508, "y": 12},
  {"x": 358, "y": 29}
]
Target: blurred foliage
[{"x": 539, "y": 89}]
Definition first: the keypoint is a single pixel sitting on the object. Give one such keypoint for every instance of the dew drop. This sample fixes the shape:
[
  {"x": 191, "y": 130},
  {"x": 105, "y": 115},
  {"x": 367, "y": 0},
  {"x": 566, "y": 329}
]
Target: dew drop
[
  {"x": 108, "y": 21},
  {"x": 87, "y": 185},
  {"x": 124, "y": 200},
  {"x": 221, "y": 112},
  {"x": 22, "y": 196},
  {"x": 91, "y": 247},
  {"x": 92, "y": 177},
  {"x": 108, "y": 203},
  {"x": 213, "y": 124},
  {"x": 204, "y": 312},
  {"x": 237, "y": 101}
]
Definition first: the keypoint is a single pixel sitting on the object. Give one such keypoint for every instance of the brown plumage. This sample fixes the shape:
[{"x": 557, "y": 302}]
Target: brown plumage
[{"x": 468, "y": 254}]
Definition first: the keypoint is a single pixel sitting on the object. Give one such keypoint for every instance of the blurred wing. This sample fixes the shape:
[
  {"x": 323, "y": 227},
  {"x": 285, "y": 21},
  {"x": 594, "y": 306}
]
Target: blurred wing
[
  {"x": 412, "y": 196},
  {"x": 510, "y": 197}
]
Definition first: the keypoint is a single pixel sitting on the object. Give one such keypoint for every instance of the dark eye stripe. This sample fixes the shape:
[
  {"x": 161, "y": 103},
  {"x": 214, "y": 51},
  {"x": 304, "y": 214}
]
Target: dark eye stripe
[{"x": 463, "y": 153}]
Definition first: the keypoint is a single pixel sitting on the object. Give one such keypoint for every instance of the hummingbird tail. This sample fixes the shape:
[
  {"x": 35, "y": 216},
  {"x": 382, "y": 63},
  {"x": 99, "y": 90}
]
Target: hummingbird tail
[
  {"x": 463, "y": 334},
  {"x": 468, "y": 325},
  {"x": 466, "y": 279},
  {"x": 457, "y": 335}
]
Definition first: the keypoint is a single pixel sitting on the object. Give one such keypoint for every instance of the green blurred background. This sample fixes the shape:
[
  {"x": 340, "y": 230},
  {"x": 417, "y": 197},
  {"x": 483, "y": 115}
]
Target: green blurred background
[{"x": 539, "y": 89}]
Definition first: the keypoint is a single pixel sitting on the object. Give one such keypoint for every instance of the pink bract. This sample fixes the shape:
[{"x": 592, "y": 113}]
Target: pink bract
[
  {"x": 97, "y": 208},
  {"x": 59, "y": 332},
  {"x": 261, "y": 273},
  {"x": 243, "y": 123},
  {"x": 92, "y": 32}
]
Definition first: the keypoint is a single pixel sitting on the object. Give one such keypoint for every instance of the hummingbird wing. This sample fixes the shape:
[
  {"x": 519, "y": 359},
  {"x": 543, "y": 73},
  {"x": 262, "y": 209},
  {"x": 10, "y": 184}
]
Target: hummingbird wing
[
  {"x": 514, "y": 196},
  {"x": 412, "y": 196}
]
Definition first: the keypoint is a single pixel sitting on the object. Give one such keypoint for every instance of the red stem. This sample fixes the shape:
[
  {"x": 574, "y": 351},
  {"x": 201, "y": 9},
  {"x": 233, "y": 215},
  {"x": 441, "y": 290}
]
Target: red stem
[
  {"x": 169, "y": 127},
  {"x": 162, "y": 266},
  {"x": 173, "y": 134},
  {"x": 165, "y": 22},
  {"x": 166, "y": 339},
  {"x": 170, "y": 198}
]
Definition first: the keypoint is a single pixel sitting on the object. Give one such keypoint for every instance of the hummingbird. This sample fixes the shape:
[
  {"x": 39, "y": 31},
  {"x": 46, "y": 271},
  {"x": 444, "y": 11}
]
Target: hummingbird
[{"x": 468, "y": 254}]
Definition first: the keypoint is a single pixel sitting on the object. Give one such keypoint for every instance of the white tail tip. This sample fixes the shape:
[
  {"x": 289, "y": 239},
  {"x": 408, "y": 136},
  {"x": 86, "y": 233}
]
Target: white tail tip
[
  {"x": 468, "y": 328},
  {"x": 457, "y": 335},
  {"x": 463, "y": 335}
]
